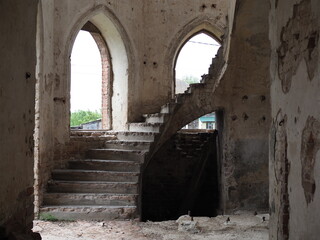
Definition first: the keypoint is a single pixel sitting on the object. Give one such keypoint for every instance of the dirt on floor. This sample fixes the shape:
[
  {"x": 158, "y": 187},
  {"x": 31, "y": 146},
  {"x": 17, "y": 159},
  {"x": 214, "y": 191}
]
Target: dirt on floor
[{"x": 227, "y": 227}]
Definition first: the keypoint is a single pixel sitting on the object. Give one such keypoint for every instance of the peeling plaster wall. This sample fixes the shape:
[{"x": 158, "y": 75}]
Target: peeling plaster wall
[
  {"x": 17, "y": 91},
  {"x": 294, "y": 140}
]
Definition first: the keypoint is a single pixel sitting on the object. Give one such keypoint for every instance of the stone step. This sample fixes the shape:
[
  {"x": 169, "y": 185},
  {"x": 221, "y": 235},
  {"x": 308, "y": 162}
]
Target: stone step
[
  {"x": 85, "y": 136},
  {"x": 155, "y": 117},
  {"x": 144, "y": 127},
  {"x": 136, "y": 136},
  {"x": 181, "y": 97},
  {"x": 194, "y": 86},
  {"x": 56, "y": 186},
  {"x": 105, "y": 165},
  {"x": 90, "y": 199},
  {"x": 94, "y": 175},
  {"x": 168, "y": 108},
  {"x": 92, "y": 133},
  {"x": 116, "y": 154},
  {"x": 94, "y": 138},
  {"x": 91, "y": 213},
  {"x": 128, "y": 145}
]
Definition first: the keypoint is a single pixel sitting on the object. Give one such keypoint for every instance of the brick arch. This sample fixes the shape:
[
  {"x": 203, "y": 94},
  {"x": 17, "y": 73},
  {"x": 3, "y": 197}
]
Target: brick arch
[{"x": 106, "y": 106}]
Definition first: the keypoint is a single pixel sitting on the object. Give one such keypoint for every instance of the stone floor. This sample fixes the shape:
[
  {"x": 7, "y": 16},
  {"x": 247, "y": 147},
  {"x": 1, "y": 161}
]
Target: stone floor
[{"x": 242, "y": 226}]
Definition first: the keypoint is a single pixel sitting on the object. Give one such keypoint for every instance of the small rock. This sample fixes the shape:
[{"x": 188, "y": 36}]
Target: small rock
[
  {"x": 37, "y": 229},
  {"x": 189, "y": 226},
  {"x": 183, "y": 218}
]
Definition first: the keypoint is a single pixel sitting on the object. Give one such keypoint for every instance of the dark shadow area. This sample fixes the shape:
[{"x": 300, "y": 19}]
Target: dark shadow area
[{"x": 182, "y": 177}]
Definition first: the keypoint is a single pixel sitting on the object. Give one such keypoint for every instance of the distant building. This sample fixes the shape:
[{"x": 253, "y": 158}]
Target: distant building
[
  {"x": 207, "y": 121},
  {"x": 93, "y": 125}
]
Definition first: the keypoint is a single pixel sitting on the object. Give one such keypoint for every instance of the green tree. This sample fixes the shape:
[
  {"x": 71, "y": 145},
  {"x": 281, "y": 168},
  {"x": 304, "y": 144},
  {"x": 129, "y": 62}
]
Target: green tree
[
  {"x": 190, "y": 79},
  {"x": 82, "y": 116}
]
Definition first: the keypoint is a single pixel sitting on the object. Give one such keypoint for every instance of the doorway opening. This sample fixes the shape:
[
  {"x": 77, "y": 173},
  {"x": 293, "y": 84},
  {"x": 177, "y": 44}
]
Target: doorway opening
[
  {"x": 206, "y": 122},
  {"x": 189, "y": 180},
  {"x": 194, "y": 59},
  {"x": 90, "y": 101}
]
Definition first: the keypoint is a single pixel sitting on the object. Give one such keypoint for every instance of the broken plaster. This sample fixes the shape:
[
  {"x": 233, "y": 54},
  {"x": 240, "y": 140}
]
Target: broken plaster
[
  {"x": 299, "y": 40},
  {"x": 310, "y": 144}
]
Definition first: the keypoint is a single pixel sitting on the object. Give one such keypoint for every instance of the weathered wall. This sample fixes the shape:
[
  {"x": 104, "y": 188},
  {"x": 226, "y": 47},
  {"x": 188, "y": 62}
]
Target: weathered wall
[
  {"x": 294, "y": 139},
  {"x": 151, "y": 33},
  {"x": 17, "y": 91},
  {"x": 244, "y": 95},
  {"x": 185, "y": 159},
  {"x": 46, "y": 77},
  {"x": 148, "y": 29},
  {"x": 59, "y": 23},
  {"x": 168, "y": 24}
]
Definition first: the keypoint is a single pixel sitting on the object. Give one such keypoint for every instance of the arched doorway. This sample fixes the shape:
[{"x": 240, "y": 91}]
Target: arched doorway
[
  {"x": 107, "y": 31},
  {"x": 90, "y": 81}
]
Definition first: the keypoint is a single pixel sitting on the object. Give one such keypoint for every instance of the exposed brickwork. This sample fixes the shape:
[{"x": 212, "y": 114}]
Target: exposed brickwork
[
  {"x": 280, "y": 205},
  {"x": 106, "y": 80},
  {"x": 80, "y": 142}
]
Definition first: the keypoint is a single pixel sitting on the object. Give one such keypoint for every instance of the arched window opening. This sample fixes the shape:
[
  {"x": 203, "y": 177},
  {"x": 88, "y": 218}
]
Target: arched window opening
[
  {"x": 194, "y": 60},
  {"x": 90, "y": 81}
]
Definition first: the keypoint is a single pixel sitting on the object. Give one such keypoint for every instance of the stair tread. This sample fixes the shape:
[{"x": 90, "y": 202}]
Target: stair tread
[
  {"x": 146, "y": 124},
  {"x": 95, "y": 194},
  {"x": 105, "y": 160},
  {"x": 91, "y": 171},
  {"x": 140, "y": 133},
  {"x": 129, "y": 141},
  {"x": 86, "y": 206},
  {"x": 154, "y": 114},
  {"x": 91, "y": 182},
  {"x": 117, "y": 150}
]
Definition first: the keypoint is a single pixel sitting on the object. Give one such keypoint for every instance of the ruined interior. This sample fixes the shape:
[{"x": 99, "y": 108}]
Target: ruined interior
[{"x": 262, "y": 85}]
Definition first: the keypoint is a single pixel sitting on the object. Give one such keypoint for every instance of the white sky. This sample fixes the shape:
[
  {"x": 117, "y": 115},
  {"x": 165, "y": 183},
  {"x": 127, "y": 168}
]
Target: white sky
[
  {"x": 86, "y": 74},
  {"x": 194, "y": 60},
  {"x": 196, "y": 56}
]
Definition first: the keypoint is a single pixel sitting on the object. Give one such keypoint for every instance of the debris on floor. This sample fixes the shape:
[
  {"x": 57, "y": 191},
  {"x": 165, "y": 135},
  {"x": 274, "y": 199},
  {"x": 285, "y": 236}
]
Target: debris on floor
[{"x": 227, "y": 227}]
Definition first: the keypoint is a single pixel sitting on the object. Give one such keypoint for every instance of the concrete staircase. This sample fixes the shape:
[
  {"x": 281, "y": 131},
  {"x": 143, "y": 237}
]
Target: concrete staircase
[{"x": 105, "y": 184}]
